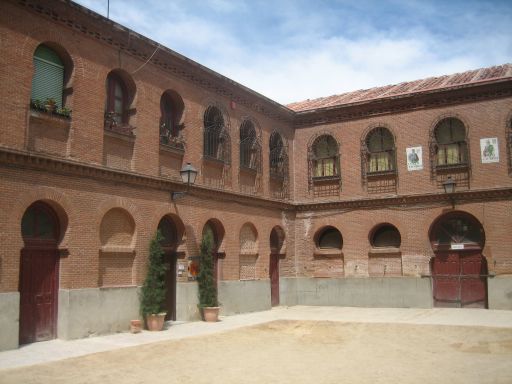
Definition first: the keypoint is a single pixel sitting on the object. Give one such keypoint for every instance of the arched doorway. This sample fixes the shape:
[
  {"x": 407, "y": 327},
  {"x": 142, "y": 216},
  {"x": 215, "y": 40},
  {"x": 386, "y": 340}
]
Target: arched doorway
[
  {"x": 39, "y": 274},
  {"x": 459, "y": 270},
  {"x": 276, "y": 252},
  {"x": 170, "y": 239}
]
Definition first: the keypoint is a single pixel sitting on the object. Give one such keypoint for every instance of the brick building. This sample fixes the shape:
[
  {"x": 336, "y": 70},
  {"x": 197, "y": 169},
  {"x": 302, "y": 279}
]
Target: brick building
[{"x": 334, "y": 201}]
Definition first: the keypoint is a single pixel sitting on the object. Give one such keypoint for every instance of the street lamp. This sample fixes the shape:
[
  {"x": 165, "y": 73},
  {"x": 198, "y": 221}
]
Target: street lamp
[
  {"x": 188, "y": 175},
  {"x": 449, "y": 188}
]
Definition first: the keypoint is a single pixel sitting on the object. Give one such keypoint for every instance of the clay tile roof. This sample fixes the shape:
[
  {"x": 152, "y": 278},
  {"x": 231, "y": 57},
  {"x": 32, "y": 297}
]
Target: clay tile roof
[{"x": 411, "y": 87}]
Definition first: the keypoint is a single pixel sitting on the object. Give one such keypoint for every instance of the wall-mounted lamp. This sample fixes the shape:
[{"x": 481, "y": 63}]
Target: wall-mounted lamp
[
  {"x": 449, "y": 188},
  {"x": 188, "y": 175}
]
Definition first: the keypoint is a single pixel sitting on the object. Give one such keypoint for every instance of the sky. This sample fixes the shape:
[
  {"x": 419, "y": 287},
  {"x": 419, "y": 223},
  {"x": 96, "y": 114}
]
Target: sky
[{"x": 292, "y": 50}]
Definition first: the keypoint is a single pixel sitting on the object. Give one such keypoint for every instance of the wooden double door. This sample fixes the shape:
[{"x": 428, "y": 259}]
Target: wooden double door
[{"x": 459, "y": 279}]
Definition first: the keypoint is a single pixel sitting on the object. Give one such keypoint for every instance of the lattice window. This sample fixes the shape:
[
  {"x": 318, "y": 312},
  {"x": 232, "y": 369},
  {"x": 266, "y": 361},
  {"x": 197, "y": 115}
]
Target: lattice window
[
  {"x": 248, "y": 240},
  {"x": 248, "y": 267},
  {"x": 216, "y": 136}
]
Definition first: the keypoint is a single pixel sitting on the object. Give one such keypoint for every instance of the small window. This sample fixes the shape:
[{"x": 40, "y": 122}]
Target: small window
[
  {"x": 213, "y": 133},
  {"x": 171, "y": 110},
  {"x": 329, "y": 238},
  {"x": 450, "y": 135},
  {"x": 381, "y": 150},
  {"x": 276, "y": 155},
  {"x": 116, "y": 106},
  {"x": 325, "y": 157},
  {"x": 48, "y": 79},
  {"x": 248, "y": 145},
  {"x": 386, "y": 236}
]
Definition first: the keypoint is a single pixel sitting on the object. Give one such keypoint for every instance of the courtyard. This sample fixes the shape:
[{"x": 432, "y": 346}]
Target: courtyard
[{"x": 296, "y": 344}]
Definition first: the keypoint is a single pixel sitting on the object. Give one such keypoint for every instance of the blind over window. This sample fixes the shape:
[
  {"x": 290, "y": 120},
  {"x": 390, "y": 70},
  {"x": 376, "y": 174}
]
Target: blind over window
[{"x": 48, "y": 80}]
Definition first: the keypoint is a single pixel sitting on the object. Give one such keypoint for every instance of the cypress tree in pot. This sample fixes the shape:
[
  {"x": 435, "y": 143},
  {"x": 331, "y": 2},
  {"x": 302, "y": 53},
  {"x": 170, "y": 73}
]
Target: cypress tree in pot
[
  {"x": 152, "y": 297},
  {"x": 208, "y": 302}
]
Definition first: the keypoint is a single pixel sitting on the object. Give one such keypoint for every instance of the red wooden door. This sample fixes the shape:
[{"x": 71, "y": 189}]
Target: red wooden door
[
  {"x": 170, "y": 285},
  {"x": 38, "y": 294},
  {"x": 459, "y": 279},
  {"x": 274, "y": 279}
]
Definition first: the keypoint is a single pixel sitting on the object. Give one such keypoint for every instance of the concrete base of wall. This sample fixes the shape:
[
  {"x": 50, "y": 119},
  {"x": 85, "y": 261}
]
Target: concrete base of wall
[
  {"x": 95, "y": 311},
  {"x": 9, "y": 320},
  {"x": 186, "y": 302},
  {"x": 391, "y": 292},
  {"x": 500, "y": 292},
  {"x": 244, "y": 296}
]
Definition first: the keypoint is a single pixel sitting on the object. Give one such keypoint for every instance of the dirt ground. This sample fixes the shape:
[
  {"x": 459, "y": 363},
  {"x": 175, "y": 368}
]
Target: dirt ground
[{"x": 297, "y": 352}]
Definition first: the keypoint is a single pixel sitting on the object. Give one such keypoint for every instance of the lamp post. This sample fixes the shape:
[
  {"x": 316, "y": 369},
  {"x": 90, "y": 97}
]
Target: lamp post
[
  {"x": 449, "y": 188},
  {"x": 188, "y": 176}
]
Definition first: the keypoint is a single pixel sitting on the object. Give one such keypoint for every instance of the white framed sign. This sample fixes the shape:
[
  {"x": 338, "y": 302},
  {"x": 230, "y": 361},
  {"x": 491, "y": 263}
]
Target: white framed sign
[
  {"x": 414, "y": 158},
  {"x": 457, "y": 246},
  {"x": 489, "y": 150}
]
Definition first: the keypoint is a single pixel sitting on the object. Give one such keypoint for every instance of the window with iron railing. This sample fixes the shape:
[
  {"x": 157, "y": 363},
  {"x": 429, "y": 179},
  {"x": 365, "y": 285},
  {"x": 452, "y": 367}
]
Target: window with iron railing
[
  {"x": 248, "y": 146},
  {"x": 214, "y": 137},
  {"x": 277, "y": 156},
  {"x": 325, "y": 158},
  {"x": 380, "y": 150},
  {"x": 451, "y": 146},
  {"x": 171, "y": 109}
]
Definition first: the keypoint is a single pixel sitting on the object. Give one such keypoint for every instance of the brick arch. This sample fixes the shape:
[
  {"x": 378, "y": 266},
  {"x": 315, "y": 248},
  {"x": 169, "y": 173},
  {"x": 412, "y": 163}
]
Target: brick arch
[
  {"x": 379, "y": 225},
  {"x": 39, "y": 35},
  {"x": 58, "y": 201},
  {"x": 457, "y": 213},
  {"x": 320, "y": 229},
  {"x": 117, "y": 228},
  {"x": 378, "y": 124},
  {"x": 449, "y": 115},
  {"x": 219, "y": 231},
  {"x": 129, "y": 207},
  {"x": 209, "y": 102},
  {"x": 280, "y": 239},
  {"x": 248, "y": 239},
  {"x": 325, "y": 132},
  {"x": 180, "y": 226}
]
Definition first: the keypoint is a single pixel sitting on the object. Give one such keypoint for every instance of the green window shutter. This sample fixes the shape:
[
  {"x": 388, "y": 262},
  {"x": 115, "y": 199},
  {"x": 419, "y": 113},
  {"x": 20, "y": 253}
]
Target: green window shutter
[{"x": 48, "y": 80}]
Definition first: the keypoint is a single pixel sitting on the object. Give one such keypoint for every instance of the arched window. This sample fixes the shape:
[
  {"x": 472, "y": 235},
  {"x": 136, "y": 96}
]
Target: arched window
[
  {"x": 48, "y": 81},
  {"x": 276, "y": 155},
  {"x": 329, "y": 238},
  {"x": 325, "y": 157},
  {"x": 171, "y": 110},
  {"x": 116, "y": 103},
  {"x": 214, "y": 131},
  {"x": 509, "y": 146},
  {"x": 381, "y": 150},
  {"x": 248, "y": 145},
  {"x": 384, "y": 236},
  {"x": 40, "y": 223},
  {"x": 451, "y": 146},
  {"x": 457, "y": 228}
]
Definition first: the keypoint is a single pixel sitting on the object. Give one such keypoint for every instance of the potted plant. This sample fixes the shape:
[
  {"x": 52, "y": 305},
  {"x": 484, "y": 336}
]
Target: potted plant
[
  {"x": 50, "y": 105},
  {"x": 208, "y": 302},
  {"x": 152, "y": 296}
]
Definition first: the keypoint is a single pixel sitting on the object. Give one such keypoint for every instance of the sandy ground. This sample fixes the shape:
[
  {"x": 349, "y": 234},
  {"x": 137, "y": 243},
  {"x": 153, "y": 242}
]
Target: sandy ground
[{"x": 287, "y": 351}]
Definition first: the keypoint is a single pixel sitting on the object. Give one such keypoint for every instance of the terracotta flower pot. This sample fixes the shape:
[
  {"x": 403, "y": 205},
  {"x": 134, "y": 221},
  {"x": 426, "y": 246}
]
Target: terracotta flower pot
[
  {"x": 155, "y": 322},
  {"x": 211, "y": 314}
]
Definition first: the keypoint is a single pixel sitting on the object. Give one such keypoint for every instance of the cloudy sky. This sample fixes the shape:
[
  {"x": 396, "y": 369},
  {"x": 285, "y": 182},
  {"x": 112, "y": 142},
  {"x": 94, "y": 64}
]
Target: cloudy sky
[{"x": 291, "y": 50}]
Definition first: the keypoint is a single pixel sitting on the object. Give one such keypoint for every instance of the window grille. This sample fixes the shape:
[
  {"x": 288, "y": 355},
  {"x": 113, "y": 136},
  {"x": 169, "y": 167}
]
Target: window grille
[
  {"x": 324, "y": 166},
  {"x": 509, "y": 146},
  {"x": 450, "y": 136},
  {"x": 278, "y": 163},
  {"x": 249, "y": 146},
  {"x": 449, "y": 152},
  {"x": 378, "y": 161},
  {"x": 216, "y": 137}
]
